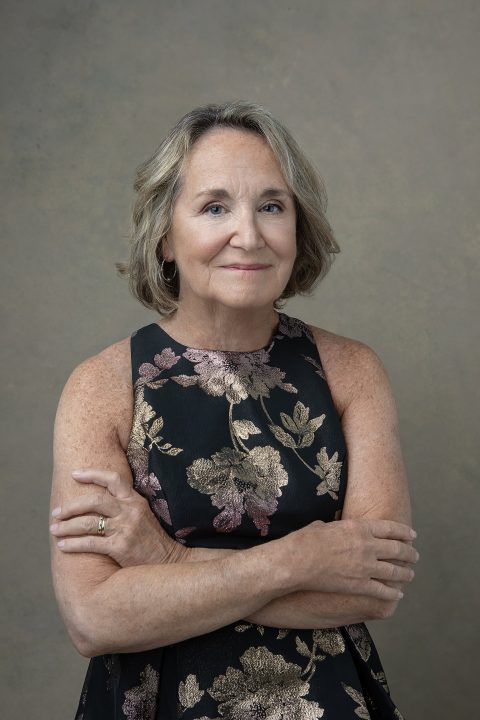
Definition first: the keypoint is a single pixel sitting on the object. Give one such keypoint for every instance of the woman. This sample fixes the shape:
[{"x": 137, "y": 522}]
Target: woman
[{"x": 194, "y": 558}]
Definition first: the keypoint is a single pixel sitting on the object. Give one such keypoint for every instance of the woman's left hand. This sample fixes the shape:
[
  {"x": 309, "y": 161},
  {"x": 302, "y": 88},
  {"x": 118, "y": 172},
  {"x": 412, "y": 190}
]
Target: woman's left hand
[{"x": 133, "y": 535}]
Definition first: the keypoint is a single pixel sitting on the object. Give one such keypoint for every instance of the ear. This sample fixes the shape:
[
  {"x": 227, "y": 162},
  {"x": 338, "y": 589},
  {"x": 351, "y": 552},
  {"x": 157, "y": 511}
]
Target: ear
[{"x": 164, "y": 247}]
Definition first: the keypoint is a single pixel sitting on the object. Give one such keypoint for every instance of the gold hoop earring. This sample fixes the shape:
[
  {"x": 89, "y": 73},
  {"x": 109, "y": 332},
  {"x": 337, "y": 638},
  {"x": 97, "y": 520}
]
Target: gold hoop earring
[{"x": 167, "y": 279}]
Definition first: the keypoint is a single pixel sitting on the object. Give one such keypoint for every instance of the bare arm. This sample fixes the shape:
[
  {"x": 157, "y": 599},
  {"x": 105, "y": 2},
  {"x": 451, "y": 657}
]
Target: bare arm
[
  {"x": 377, "y": 487},
  {"x": 139, "y": 599},
  {"x": 306, "y": 608},
  {"x": 111, "y": 609}
]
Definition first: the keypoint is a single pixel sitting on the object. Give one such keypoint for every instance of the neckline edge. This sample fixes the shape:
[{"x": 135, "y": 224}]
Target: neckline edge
[{"x": 276, "y": 332}]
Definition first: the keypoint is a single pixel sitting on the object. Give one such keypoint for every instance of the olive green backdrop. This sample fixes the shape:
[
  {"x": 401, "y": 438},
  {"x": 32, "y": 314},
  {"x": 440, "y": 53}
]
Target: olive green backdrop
[{"x": 384, "y": 97}]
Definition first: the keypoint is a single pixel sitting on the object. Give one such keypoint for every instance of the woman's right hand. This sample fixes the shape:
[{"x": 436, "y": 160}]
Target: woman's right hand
[{"x": 353, "y": 556}]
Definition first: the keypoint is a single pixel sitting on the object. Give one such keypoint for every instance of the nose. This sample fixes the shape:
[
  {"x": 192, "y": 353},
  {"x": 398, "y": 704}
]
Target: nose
[{"x": 247, "y": 232}]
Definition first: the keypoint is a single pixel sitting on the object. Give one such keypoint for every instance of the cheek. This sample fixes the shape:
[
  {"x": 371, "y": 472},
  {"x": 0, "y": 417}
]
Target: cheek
[{"x": 286, "y": 243}]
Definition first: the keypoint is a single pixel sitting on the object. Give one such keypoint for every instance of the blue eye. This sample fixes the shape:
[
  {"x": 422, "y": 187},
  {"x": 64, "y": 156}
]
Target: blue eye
[
  {"x": 216, "y": 205},
  {"x": 273, "y": 205},
  {"x": 213, "y": 206}
]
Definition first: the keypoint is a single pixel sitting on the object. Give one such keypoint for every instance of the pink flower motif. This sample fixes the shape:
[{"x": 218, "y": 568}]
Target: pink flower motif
[
  {"x": 240, "y": 482},
  {"x": 235, "y": 375},
  {"x": 163, "y": 361},
  {"x": 183, "y": 533},
  {"x": 150, "y": 488},
  {"x": 294, "y": 327},
  {"x": 141, "y": 701}
]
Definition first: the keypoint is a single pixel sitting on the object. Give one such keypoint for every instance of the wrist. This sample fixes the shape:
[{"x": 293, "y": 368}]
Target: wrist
[
  {"x": 285, "y": 566},
  {"x": 176, "y": 553}
]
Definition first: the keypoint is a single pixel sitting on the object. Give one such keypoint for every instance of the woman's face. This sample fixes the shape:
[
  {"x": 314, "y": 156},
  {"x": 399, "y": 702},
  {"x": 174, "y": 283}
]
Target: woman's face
[{"x": 234, "y": 209}]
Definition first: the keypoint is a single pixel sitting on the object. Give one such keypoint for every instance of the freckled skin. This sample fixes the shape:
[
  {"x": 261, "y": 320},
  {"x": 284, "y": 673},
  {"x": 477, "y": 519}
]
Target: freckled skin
[{"x": 230, "y": 311}]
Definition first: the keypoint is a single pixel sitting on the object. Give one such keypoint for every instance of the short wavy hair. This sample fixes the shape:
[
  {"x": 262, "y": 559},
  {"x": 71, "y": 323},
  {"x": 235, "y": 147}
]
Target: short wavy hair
[{"x": 158, "y": 182}]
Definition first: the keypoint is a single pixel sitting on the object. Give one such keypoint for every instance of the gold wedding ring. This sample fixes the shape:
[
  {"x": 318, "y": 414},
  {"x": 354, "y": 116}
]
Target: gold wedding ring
[{"x": 101, "y": 525}]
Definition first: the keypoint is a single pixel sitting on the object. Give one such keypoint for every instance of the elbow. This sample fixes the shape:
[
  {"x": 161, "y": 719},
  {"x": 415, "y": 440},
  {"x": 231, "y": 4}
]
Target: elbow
[
  {"x": 84, "y": 640},
  {"x": 83, "y": 631},
  {"x": 80, "y": 637},
  {"x": 83, "y": 646}
]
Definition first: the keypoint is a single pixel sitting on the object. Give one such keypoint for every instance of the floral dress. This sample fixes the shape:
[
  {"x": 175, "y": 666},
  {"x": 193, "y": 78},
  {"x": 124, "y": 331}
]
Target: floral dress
[{"x": 233, "y": 449}]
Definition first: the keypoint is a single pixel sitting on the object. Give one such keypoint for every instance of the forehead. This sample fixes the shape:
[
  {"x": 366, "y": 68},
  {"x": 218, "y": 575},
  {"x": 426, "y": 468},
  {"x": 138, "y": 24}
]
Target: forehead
[{"x": 229, "y": 153}]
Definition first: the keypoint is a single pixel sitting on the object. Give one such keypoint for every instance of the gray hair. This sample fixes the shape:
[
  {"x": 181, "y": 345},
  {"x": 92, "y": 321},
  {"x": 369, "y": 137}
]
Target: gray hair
[{"x": 158, "y": 182}]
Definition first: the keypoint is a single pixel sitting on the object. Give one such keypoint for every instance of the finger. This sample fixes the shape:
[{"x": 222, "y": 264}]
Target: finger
[
  {"x": 100, "y": 502},
  {"x": 85, "y": 544},
  {"x": 396, "y": 550},
  {"x": 391, "y": 572},
  {"x": 391, "y": 529},
  {"x": 383, "y": 592},
  {"x": 83, "y": 525},
  {"x": 117, "y": 485}
]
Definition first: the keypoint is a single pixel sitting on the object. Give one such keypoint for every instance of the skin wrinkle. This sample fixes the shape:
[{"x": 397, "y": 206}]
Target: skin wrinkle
[{"x": 98, "y": 401}]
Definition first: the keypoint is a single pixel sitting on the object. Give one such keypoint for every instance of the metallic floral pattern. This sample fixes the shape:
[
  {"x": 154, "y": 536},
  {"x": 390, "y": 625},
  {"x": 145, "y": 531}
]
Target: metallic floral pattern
[
  {"x": 240, "y": 482},
  {"x": 235, "y": 375},
  {"x": 235, "y": 447},
  {"x": 266, "y": 683},
  {"x": 141, "y": 701}
]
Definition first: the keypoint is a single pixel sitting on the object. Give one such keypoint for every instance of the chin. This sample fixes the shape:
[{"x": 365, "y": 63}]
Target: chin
[{"x": 247, "y": 300}]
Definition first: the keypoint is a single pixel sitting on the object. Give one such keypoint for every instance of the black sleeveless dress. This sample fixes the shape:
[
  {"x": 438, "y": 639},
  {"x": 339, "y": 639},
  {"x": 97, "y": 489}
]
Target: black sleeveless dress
[{"x": 233, "y": 449}]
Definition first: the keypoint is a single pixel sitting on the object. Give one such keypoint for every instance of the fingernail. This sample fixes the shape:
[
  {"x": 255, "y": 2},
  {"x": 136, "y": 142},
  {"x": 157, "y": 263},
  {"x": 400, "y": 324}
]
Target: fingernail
[
  {"x": 56, "y": 511},
  {"x": 61, "y": 543},
  {"x": 53, "y": 527},
  {"x": 77, "y": 472},
  {"x": 400, "y": 594},
  {"x": 413, "y": 533}
]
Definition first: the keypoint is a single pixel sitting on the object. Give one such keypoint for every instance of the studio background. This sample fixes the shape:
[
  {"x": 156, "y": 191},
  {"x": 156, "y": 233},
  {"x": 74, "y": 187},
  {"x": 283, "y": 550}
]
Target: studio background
[{"x": 383, "y": 97}]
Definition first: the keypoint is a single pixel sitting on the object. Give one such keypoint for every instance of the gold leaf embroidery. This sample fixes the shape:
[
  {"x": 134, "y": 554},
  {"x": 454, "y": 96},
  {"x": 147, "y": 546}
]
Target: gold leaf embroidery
[
  {"x": 361, "y": 709},
  {"x": 140, "y": 702},
  {"x": 185, "y": 380},
  {"x": 381, "y": 678},
  {"x": 244, "y": 428},
  {"x": 266, "y": 683},
  {"x": 361, "y": 639},
  {"x": 306, "y": 440},
  {"x": 156, "y": 426},
  {"x": 189, "y": 693},
  {"x": 329, "y": 640},
  {"x": 235, "y": 375},
  {"x": 156, "y": 384},
  {"x": 329, "y": 470},
  {"x": 298, "y": 424},
  {"x": 319, "y": 368},
  {"x": 242, "y": 628},
  {"x": 282, "y": 436},
  {"x": 302, "y": 647},
  {"x": 240, "y": 482}
]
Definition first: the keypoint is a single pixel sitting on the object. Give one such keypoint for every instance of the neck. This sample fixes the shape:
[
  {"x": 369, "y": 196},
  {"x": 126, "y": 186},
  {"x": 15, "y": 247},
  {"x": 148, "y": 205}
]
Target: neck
[{"x": 225, "y": 328}]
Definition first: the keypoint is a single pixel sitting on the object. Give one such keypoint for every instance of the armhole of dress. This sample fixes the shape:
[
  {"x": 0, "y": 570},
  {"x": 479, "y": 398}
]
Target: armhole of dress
[
  {"x": 133, "y": 355},
  {"x": 343, "y": 486},
  {"x": 133, "y": 378},
  {"x": 317, "y": 357}
]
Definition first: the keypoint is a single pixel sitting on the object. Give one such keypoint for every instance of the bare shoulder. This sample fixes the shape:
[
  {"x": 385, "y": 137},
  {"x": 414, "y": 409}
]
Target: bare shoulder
[
  {"x": 351, "y": 366},
  {"x": 104, "y": 382}
]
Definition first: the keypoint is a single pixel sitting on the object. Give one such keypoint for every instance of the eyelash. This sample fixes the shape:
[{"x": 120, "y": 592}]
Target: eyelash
[{"x": 218, "y": 205}]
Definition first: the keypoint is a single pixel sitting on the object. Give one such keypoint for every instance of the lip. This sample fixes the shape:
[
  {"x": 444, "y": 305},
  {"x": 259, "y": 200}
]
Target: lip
[{"x": 239, "y": 266}]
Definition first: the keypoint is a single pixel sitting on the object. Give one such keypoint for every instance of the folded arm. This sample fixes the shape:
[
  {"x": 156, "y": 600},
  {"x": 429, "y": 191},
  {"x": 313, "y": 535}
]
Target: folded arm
[
  {"x": 377, "y": 483},
  {"x": 107, "y": 608}
]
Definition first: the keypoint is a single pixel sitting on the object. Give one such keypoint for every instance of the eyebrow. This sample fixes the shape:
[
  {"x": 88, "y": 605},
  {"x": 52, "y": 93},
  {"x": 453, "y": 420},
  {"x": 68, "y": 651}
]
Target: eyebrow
[{"x": 222, "y": 193}]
